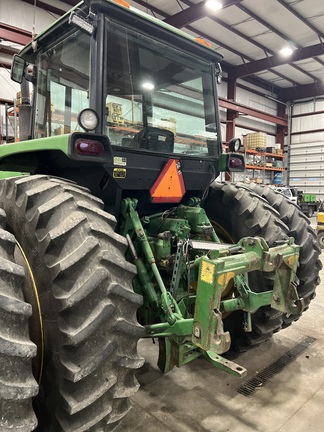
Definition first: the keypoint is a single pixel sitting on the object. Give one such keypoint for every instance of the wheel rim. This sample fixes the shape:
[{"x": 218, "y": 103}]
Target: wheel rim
[
  {"x": 320, "y": 238},
  {"x": 36, "y": 320}
]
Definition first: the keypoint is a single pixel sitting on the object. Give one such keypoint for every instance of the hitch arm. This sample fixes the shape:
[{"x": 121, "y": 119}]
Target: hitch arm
[
  {"x": 215, "y": 274},
  {"x": 169, "y": 306}
]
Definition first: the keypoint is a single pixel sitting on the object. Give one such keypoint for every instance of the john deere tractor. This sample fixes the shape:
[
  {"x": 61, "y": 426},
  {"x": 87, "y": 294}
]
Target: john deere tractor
[{"x": 113, "y": 227}]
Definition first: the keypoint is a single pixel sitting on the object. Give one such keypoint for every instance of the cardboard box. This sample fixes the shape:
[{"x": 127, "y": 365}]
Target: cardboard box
[{"x": 271, "y": 150}]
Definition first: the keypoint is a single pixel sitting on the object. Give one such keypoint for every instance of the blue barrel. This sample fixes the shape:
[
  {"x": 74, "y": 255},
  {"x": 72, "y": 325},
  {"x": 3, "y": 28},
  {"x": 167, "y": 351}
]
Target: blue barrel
[{"x": 277, "y": 179}]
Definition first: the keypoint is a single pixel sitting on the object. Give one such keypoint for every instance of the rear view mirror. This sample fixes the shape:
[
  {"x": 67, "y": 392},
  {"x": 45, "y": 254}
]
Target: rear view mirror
[{"x": 18, "y": 68}]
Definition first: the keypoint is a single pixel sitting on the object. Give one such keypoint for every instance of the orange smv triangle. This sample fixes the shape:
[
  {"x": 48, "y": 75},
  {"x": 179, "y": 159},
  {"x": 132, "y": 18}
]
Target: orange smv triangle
[{"x": 169, "y": 186}]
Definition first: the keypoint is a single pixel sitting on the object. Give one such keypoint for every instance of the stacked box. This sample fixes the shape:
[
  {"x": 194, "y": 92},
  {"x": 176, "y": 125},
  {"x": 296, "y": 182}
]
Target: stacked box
[
  {"x": 115, "y": 113},
  {"x": 271, "y": 150},
  {"x": 254, "y": 141},
  {"x": 257, "y": 180}
]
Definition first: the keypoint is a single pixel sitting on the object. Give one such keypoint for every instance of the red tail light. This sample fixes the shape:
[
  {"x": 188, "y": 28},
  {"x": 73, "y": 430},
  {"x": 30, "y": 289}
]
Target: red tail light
[
  {"x": 235, "y": 162},
  {"x": 88, "y": 147}
]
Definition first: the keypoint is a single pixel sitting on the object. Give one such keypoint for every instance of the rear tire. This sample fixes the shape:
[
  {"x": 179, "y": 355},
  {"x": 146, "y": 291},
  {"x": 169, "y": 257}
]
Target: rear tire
[
  {"x": 304, "y": 235},
  {"x": 320, "y": 239},
  {"x": 310, "y": 211},
  {"x": 236, "y": 213},
  {"x": 17, "y": 384},
  {"x": 87, "y": 303}
]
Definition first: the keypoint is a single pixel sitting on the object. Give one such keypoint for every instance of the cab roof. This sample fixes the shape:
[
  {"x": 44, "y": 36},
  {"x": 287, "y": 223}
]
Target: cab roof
[{"x": 139, "y": 20}]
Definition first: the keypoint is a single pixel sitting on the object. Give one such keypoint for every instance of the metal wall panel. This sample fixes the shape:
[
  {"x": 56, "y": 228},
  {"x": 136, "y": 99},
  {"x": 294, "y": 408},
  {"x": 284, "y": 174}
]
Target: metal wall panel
[{"x": 306, "y": 168}]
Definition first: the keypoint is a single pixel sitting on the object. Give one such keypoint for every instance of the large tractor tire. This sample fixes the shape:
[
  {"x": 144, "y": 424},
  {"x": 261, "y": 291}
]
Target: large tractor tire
[
  {"x": 17, "y": 384},
  {"x": 236, "y": 213},
  {"x": 304, "y": 235},
  {"x": 320, "y": 239},
  {"x": 87, "y": 305}
]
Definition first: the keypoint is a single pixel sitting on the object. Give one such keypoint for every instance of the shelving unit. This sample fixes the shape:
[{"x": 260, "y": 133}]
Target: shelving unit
[{"x": 261, "y": 163}]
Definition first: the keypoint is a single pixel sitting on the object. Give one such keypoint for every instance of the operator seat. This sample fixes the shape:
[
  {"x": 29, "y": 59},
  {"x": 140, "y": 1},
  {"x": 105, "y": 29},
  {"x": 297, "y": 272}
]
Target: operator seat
[{"x": 155, "y": 139}]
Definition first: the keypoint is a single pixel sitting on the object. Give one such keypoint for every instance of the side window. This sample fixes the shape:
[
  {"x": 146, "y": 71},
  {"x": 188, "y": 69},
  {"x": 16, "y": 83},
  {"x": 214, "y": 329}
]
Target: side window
[
  {"x": 63, "y": 86},
  {"x": 66, "y": 103}
]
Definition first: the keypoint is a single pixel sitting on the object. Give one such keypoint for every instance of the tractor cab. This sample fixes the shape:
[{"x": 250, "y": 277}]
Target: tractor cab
[{"x": 113, "y": 71}]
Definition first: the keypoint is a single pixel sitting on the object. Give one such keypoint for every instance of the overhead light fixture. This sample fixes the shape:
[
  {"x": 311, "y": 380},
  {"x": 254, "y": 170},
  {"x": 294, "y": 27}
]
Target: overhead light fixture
[
  {"x": 147, "y": 85},
  {"x": 286, "y": 51},
  {"x": 214, "y": 5}
]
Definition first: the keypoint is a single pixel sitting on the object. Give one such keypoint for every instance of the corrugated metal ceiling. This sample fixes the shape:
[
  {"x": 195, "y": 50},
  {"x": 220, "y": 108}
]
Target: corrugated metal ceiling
[
  {"x": 249, "y": 34},
  {"x": 248, "y": 30}
]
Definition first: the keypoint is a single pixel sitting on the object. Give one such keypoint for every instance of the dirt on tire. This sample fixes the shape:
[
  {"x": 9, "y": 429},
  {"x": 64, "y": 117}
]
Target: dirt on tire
[
  {"x": 17, "y": 384},
  {"x": 87, "y": 303}
]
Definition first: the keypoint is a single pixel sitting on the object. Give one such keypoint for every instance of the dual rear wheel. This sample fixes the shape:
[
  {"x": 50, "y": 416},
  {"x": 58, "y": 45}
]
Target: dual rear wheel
[
  {"x": 62, "y": 263},
  {"x": 250, "y": 210}
]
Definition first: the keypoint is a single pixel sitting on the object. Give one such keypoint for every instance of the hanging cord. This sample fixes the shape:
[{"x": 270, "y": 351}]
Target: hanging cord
[
  {"x": 34, "y": 43},
  {"x": 213, "y": 178}
]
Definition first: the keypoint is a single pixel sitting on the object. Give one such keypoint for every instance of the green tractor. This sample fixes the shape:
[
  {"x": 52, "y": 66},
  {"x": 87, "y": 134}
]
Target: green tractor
[{"x": 114, "y": 229}]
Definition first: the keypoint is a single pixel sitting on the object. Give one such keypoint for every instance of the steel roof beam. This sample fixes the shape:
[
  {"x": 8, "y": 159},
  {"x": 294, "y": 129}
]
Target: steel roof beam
[
  {"x": 8, "y": 50},
  {"x": 4, "y": 64},
  {"x": 47, "y": 7},
  {"x": 278, "y": 60},
  {"x": 194, "y": 13},
  {"x": 263, "y": 85},
  {"x": 221, "y": 44},
  {"x": 14, "y": 34},
  {"x": 6, "y": 101},
  {"x": 237, "y": 107},
  {"x": 72, "y": 2},
  {"x": 303, "y": 91},
  {"x": 187, "y": 16}
]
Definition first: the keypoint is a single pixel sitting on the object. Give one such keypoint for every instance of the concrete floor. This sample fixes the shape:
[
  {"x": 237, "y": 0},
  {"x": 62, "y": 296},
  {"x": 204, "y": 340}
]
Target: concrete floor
[{"x": 201, "y": 398}]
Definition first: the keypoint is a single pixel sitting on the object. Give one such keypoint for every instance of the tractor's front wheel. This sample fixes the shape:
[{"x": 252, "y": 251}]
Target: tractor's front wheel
[{"x": 87, "y": 305}]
